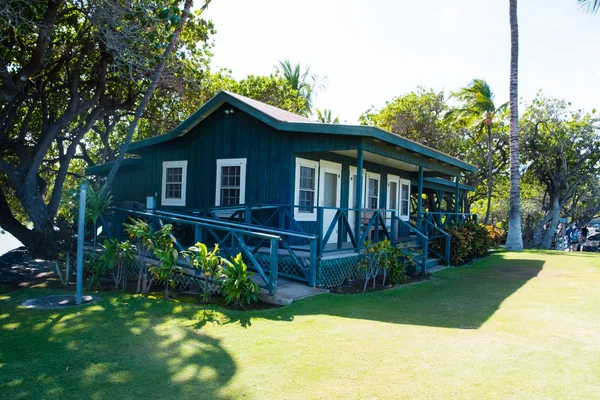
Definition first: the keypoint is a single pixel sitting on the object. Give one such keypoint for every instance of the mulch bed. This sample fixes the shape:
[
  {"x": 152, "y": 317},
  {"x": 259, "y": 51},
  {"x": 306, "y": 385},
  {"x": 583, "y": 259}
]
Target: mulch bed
[
  {"x": 357, "y": 286},
  {"x": 18, "y": 271}
]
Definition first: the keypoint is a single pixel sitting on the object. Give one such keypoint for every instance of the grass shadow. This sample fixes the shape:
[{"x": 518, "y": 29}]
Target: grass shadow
[
  {"x": 140, "y": 354},
  {"x": 463, "y": 298}
]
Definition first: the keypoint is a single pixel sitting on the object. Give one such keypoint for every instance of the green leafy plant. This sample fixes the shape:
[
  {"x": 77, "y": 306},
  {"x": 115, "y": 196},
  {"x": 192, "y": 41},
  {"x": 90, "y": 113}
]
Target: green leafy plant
[
  {"x": 140, "y": 231},
  {"x": 386, "y": 259},
  {"x": 468, "y": 242},
  {"x": 167, "y": 257},
  {"x": 397, "y": 263},
  {"x": 114, "y": 258},
  {"x": 95, "y": 205},
  {"x": 236, "y": 285},
  {"x": 209, "y": 262},
  {"x": 374, "y": 260}
]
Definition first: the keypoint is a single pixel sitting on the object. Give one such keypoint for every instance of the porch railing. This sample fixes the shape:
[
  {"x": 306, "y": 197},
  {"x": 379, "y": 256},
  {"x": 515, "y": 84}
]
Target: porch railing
[
  {"x": 232, "y": 239},
  {"x": 422, "y": 239},
  {"x": 443, "y": 218},
  {"x": 285, "y": 238},
  {"x": 434, "y": 232}
]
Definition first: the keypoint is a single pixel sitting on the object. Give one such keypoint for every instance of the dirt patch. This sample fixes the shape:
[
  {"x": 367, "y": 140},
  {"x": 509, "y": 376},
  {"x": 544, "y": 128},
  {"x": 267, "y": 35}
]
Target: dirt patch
[
  {"x": 58, "y": 301},
  {"x": 357, "y": 286},
  {"x": 18, "y": 270}
]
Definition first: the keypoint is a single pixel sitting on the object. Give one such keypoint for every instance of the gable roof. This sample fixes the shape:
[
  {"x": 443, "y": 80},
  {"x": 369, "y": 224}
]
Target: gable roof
[
  {"x": 271, "y": 111},
  {"x": 286, "y": 121}
]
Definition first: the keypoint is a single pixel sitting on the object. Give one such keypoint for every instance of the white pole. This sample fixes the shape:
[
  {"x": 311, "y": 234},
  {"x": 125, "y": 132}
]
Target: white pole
[{"x": 80, "y": 234}]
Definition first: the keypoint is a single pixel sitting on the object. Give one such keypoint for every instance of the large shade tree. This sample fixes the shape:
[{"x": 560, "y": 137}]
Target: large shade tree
[
  {"x": 514, "y": 239},
  {"x": 562, "y": 148},
  {"x": 480, "y": 113},
  {"x": 70, "y": 69}
]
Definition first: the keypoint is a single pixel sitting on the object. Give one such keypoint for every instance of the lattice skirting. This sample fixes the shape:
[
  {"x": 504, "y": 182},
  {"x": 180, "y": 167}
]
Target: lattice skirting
[
  {"x": 332, "y": 272},
  {"x": 286, "y": 265}
]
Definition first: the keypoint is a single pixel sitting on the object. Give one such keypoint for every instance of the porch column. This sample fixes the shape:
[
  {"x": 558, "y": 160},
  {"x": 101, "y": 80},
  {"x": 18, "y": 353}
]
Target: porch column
[
  {"x": 359, "y": 193},
  {"x": 420, "y": 200},
  {"x": 456, "y": 200}
]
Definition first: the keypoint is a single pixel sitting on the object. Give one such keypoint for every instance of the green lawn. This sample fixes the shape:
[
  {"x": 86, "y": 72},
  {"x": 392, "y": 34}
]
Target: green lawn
[{"x": 511, "y": 326}]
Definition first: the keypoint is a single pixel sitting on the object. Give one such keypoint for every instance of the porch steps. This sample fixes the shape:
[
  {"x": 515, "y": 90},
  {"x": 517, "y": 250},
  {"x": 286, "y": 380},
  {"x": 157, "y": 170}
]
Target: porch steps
[
  {"x": 410, "y": 243},
  {"x": 287, "y": 291}
]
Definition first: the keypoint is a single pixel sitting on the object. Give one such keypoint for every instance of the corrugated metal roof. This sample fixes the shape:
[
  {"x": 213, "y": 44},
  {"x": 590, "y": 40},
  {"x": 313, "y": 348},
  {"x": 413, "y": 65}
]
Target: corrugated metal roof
[{"x": 273, "y": 112}]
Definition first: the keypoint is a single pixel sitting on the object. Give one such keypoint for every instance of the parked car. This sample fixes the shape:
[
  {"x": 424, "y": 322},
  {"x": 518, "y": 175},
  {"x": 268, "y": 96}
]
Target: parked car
[{"x": 591, "y": 243}]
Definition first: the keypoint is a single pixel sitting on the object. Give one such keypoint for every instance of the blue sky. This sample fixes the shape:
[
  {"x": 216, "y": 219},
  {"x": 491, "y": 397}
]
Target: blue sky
[{"x": 371, "y": 51}]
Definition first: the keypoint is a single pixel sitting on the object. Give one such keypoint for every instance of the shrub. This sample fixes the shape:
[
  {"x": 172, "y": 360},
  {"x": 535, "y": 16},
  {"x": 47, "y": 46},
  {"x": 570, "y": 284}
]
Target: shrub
[
  {"x": 115, "y": 257},
  {"x": 167, "y": 257},
  {"x": 208, "y": 262},
  {"x": 468, "y": 242},
  {"x": 236, "y": 285},
  {"x": 383, "y": 257},
  {"x": 140, "y": 231}
]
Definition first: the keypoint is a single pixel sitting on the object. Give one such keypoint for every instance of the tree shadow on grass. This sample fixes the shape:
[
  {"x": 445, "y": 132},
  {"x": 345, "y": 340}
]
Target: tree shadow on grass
[
  {"x": 462, "y": 298},
  {"x": 123, "y": 347}
]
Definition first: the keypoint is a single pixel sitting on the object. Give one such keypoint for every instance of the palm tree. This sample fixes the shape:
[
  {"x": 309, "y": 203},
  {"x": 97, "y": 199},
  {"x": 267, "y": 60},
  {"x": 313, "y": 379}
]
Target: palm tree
[
  {"x": 480, "y": 111},
  {"x": 590, "y": 5},
  {"x": 303, "y": 82},
  {"x": 514, "y": 240},
  {"x": 326, "y": 118}
]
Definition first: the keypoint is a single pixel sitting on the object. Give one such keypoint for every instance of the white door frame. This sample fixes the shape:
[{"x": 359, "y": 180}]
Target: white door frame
[
  {"x": 328, "y": 215},
  {"x": 352, "y": 195},
  {"x": 392, "y": 178}
]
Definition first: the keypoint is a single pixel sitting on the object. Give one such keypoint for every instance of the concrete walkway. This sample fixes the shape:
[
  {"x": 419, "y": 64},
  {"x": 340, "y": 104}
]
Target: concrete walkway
[{"x": 287, "y": 291}]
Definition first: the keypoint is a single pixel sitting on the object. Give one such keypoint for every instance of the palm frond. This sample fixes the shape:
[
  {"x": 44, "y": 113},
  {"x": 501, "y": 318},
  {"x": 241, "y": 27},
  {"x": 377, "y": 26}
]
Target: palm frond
[{"x": 591, "y": 6}]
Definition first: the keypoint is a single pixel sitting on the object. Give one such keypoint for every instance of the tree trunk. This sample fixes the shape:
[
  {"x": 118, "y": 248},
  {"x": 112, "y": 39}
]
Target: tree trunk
[
  {"x": 490, "y": 173},
  {"x": 554, "y": 219},
  {"x": 514, "y": 240},
  {"x": 147, "y": 95}
]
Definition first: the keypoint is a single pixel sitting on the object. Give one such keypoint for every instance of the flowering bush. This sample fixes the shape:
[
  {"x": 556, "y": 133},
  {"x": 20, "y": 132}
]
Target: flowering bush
[{"x": 468, "y": 242}]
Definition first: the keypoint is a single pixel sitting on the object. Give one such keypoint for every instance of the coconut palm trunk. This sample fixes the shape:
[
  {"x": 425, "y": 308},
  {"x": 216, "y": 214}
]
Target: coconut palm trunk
[{"x": 514, "y": 240}]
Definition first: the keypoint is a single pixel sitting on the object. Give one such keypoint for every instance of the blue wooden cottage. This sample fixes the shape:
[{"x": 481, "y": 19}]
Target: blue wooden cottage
[{"x": 297, "y": 197}]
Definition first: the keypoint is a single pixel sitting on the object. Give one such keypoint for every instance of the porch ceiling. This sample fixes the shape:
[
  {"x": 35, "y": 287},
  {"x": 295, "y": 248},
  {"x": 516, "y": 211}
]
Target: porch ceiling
[{"x": 378, "y": 159}]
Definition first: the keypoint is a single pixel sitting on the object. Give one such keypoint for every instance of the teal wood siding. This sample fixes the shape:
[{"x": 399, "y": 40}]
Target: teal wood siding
[
  {"x": 270, "y": 162},
  {"x": 270, "y": 156}
]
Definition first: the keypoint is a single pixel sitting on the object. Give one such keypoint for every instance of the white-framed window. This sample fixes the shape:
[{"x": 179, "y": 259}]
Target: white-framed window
[
  {"x": 174, "y": 178},
  {"x": 372, "y": 194},
  {"x": 305, "y": 192},
  {"x": 404, "y": 199},
  {"x": 231, "y": 182}
]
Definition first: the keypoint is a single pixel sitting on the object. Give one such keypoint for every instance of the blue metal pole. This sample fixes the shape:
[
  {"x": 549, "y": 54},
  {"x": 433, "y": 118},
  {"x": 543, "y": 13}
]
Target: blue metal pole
[{"x": 80, "y": 233}]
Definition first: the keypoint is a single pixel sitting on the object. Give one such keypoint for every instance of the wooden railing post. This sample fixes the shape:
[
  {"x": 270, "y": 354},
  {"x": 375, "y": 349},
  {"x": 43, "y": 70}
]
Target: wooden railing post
[
  {"x": 248, "y": 214},
  {"x": 393, "y": 227},
  {"x": 312, "y": 268},
  {"x": 448, "y": 250},
  {"x": 321, "y": 244},
  {"x": 274, "y": 265},
  {"x": 424, "y": 256},
  {"x": 456, "y": 199}
]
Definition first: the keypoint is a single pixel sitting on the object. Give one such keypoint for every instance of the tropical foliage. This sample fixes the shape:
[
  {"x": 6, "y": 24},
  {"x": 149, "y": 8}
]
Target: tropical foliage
[
  {"x": 468, "y": 242},
  {"x": 71, "y": 75},
  {"x": 236, "y": 285}
]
